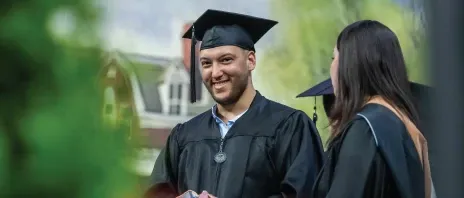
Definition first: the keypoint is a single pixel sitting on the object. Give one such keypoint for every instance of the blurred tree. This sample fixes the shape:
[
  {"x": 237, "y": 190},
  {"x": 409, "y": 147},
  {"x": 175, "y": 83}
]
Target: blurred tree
[
  {"x": 307, "y": 34},
  {"x": 53, "y": 142}
]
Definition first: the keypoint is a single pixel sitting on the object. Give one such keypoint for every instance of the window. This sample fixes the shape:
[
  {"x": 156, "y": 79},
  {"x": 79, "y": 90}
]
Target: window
[
  {"x": 171, "y": 91},
  {"x": 111, "y": 73},
  {"x": 174, "y": 110},
  {"x": 109, "y": 105},
  {"x": 179, "y": 92},
  {"x": 108, "y": 109},
  {"x": 125, "y": 123},
  {"x": 175, "y": 98}
]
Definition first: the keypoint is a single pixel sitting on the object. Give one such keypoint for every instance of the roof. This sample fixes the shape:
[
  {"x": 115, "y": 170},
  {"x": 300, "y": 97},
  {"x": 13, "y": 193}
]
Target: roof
[
  {"x": 149, "y": 71},
  {"x": 146, "y": 59}
]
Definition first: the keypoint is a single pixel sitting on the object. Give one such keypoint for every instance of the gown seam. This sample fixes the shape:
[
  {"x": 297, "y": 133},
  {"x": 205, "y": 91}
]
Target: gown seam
[{"x": 370, "y": 126}]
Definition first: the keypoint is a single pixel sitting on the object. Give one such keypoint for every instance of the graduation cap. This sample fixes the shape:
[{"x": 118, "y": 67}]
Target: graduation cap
[
  {"x": 219, "y": 28},
  {"x": 325, "y": 89}
]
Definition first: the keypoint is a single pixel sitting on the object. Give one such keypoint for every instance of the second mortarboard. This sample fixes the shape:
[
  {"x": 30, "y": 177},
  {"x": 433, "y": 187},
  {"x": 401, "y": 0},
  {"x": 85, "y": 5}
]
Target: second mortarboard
[
  {"x": 325, "y": 89},
  {"x": 219, "y": 28}
]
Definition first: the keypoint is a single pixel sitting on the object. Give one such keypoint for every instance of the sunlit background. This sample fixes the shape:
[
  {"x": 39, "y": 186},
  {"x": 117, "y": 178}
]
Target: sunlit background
[
  {"x": 294, "y": 55},
  {"x": 107, "y": 80}
]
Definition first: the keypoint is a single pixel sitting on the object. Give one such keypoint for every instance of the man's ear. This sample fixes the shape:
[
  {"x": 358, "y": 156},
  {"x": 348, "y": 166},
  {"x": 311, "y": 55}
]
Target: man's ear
[{"x": 251, "y": 60}]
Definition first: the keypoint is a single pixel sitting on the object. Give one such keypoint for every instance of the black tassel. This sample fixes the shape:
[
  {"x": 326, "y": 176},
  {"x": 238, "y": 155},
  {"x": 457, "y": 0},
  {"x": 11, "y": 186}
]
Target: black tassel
[
  {"x": 193, "y": 96},
  {"x": 314, "y": 114}
]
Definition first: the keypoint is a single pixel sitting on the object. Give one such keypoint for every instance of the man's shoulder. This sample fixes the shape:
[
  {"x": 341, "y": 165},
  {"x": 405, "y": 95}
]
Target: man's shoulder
[
  {"x": 199, "y": 118},
  {"x": 195, "y": 121},
  {"x": 279, "y": 107},
  {"x": 283, "y": 111}
]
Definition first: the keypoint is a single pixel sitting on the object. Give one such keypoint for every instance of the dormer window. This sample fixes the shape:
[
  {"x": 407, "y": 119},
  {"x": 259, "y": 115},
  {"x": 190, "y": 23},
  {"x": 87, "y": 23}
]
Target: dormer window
[
  {"x": 176, "y": 99},
  {"x": 111, "y": 73},
  {"x": 109, "y": 108}
]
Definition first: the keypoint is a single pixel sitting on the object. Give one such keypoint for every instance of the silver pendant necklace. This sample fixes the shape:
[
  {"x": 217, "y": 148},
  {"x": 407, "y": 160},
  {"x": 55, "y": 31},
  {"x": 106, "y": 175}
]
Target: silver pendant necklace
[{"x": 220, "y": 157}]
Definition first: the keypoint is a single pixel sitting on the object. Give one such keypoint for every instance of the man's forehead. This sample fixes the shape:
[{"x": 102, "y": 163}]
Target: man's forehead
[{"x": 220, "y": 51}]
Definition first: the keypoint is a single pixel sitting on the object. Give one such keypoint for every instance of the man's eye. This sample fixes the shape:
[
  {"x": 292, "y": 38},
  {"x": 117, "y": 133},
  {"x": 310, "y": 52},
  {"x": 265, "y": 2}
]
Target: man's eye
[
  {"x": 204, "y": 64},
  {"x": 226, "y": 60}
]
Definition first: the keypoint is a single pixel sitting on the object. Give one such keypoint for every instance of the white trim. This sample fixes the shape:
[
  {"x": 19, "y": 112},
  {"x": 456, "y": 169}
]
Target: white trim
[
  {"x": 109, "y": 57},
  {"x": 176, "y": 100},
  {"x": 111, "y": 72},
  {"x": 122, "y": 62},
  {"x": 157, "y": 120},
  {"x": 205, "y": 95},
  {"x": 372, "y": 129},
  {"x": 185, "y": 100},
  {"x": 145, "y": 161},
  {"x": 137, "y": 93},
  {"x": 109, "y": 97},
  {"x": 184, "y": 75},
  {"x": 205, "y": 98},
  {"x": 175, "y": 76},
  {"x": 163, "y": 89},
  {"x": 174, "y": 73}
]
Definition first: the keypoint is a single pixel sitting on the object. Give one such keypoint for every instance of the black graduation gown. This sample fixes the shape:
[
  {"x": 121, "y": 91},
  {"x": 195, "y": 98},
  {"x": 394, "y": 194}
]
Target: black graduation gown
[
  {"x": 271, "y": 149},
  {"x": 377, "y": 163}
]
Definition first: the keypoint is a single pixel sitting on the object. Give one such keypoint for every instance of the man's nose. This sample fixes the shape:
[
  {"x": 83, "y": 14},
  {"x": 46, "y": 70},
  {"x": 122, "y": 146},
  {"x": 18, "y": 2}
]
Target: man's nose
[{"x": 217, "y": 71}]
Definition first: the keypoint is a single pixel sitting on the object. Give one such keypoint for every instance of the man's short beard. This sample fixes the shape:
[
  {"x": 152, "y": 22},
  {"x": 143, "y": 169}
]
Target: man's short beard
[{"x": 235, "y": 94}]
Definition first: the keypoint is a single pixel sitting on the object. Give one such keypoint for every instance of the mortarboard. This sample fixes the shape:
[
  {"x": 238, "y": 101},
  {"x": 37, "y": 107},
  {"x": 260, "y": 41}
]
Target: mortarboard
[
  {"x": 419, "y": 92},
  {"x": 219, "y": 28},
  {"x": 323, "y": 89}
]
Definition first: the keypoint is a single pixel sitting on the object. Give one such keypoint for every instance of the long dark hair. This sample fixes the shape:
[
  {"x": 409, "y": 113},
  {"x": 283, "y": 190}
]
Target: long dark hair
[{"x": 371, "y": 64}]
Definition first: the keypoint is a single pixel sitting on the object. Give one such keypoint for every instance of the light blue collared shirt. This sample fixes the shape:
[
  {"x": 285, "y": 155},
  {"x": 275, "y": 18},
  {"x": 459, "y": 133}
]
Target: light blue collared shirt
[{"x": 224, "y": 127}]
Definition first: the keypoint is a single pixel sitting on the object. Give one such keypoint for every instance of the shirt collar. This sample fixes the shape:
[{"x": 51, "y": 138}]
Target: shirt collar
[{"x": 218, "y": 120}]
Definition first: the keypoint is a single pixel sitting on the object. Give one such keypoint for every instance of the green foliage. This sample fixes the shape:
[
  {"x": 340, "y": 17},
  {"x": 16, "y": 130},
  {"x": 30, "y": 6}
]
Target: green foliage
[
  {"x": 53, "y": 142},
  {"x": 306, "y": 36}
]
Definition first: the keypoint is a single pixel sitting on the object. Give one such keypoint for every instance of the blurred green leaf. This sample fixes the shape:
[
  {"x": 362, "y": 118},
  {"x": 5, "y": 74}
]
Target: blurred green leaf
[{"x": 53, "y": 140}]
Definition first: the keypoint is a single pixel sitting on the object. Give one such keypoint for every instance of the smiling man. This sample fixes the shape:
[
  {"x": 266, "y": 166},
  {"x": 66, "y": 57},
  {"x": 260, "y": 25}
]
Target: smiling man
[{"x": 246, "y": 145}]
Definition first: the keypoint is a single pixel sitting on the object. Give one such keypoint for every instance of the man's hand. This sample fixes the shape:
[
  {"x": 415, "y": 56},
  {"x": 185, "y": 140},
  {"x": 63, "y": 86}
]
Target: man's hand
[
  {"x": 205, "y": 194},
  {"x": 188, "y": 194},
  {"x": 193, "y": 194}
]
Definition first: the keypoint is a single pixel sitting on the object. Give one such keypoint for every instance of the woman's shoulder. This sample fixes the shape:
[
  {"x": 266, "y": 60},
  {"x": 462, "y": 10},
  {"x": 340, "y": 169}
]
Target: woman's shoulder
[
  {"x": 382, "y": 121},
  {"x": 357, "y": 131},
  {"x": 357, "y": 123},
  {"x": 379, "y": 115},
  {"x": 372, "y": 125},
  {"x": 372, "y": 122}
]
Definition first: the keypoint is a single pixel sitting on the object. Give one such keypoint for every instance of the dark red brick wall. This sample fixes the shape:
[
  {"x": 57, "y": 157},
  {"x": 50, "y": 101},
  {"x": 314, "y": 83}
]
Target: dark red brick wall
[{"x": 154, "y": 138}]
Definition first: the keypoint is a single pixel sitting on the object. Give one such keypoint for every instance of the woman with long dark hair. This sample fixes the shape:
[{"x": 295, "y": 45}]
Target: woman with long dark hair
[{"x": 375, "y": 148}]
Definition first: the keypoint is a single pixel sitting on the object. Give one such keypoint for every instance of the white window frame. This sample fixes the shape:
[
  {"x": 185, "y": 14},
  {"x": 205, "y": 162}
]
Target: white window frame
[
  {"x": 177, "y": 99},
  {"x": 110, "y": 99},
  {"x": 111, "y": 73}
]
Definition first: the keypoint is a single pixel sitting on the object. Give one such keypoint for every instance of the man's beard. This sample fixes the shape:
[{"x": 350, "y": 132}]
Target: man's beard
[{"x": 238, "y": 87}]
